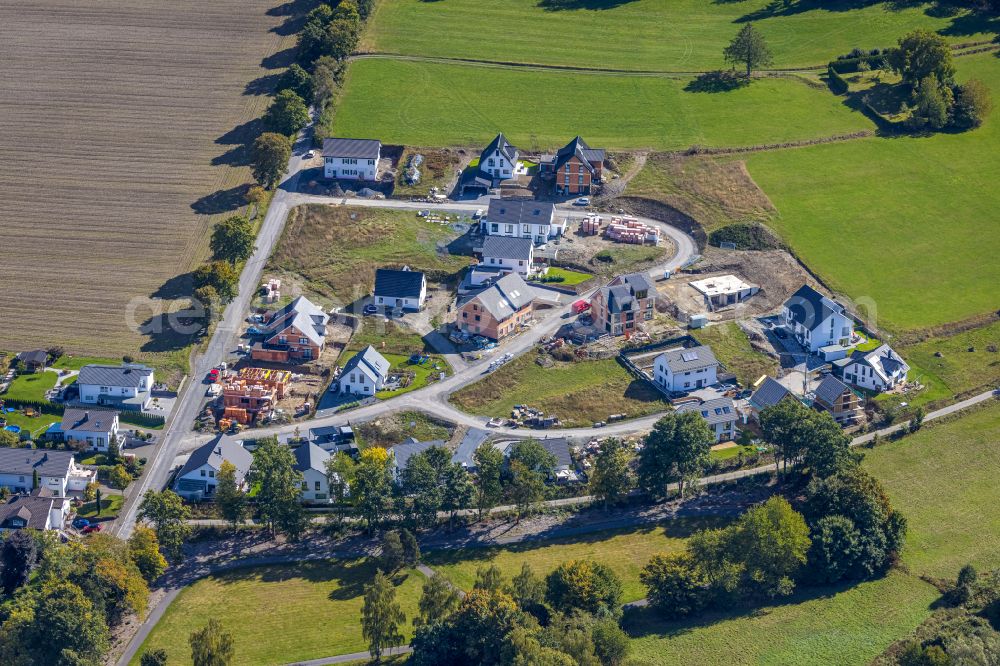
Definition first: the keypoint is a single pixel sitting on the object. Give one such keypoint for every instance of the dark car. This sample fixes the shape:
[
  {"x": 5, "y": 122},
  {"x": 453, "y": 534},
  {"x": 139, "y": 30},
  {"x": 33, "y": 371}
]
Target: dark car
[
  {"x": 81, "y": 523},
  {"x": 370, "y": 309},
  {"x": 89, "y": 529},
  {"x": 781, "y": 333}
]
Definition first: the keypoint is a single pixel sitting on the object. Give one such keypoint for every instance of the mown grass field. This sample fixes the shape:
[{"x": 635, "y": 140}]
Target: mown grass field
[
  {"x": 901, "y": 221},
  {"x": 943, "y": 479},
  {"x": 280, "y": 614},
  {"x": 433, "y": 104},
  {"x": 671, "y": 35},
  {"x": 336, "y": 250},
  {"x": 579, "y": 393},
  {"x": 732, "y": 347},
  {"x": 122, "y": 126},
  {"x": 626, "y": 552}
]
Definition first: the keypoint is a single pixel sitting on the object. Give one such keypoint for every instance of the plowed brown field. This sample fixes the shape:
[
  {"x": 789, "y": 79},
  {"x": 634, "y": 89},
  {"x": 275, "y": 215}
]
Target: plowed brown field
[{"x": 120, "y": 142}]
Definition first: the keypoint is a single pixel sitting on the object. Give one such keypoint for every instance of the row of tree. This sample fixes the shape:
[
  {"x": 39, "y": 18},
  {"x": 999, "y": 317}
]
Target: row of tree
[
  {"x": 569, "y": 617},
  {"x": 61, "y": 601},
  {"x": 843, "y": 527}
]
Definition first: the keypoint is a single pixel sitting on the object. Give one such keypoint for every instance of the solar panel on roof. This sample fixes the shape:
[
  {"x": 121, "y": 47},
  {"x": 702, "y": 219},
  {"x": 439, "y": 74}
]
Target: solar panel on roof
[{"x": 689, "y": 355}]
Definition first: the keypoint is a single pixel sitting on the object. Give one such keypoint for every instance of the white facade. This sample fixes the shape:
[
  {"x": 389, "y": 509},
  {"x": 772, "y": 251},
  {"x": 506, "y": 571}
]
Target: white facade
[
  {"x": 109, "y": 392},
  {"x": 315, "y": 486},
  {"x": 350, "y": 168},
  {"x": 497, "y": 165},
  {"x": 359, "y": 383},
  {"x": 879, "y": 370},
  {"x": 206, "y": 474},
  {"x": 835, "y": 329},
  {"x": 405, "y": 303},
  {"x": 520, "y": 266},
  {"x": 539, "y": 232},
  {"x": 96, "y": 441},
  {"x": 683, "y": 381}
]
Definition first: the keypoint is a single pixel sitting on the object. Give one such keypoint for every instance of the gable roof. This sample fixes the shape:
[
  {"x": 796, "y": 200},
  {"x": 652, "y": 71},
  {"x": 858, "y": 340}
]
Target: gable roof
[
  {"x": 830, "y": 389},
  {"x": 768, "y": 394},
  {"x": 369, "y": 362},
  {"x": 88, "y": 420},
  {"x": 402, "y": 453},
  {"x": 395, "y": 283},
  {"x": 508, "y": 247},
  {"x": 216, "y": 451},
  {"x": 309, "y": 456},
  {"x": 506, "y": 211},
  {"x": 23, "y": 462},
  {"x": 619, "y": 294},
  {"x": 129, "y": 375},
  {"x": 810, "y": 308},
  {"x": 693, "y": 358},
  {"x": 305, "y": 316},
  {"x": 32, "y": 509},
  {"x": 559, "y": 447},
  {"x": 580, "y": 149},
  {"x": 36, "y": 356},
  {"x": 883, "y": 360},
  {"x": 506, "y": 296},
  {"x": 717, "y": 410},
  {"x": 500, "y": 143},
  {"x": 353, "y": 148}
]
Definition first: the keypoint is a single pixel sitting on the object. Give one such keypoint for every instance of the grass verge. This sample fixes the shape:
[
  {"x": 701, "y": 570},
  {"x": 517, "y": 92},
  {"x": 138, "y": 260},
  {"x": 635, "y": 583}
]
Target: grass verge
[{"x": 732, "y": 348}]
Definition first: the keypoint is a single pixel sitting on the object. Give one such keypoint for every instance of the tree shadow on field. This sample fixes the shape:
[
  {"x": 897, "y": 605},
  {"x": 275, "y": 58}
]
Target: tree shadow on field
[
  {"x": 222, "y": 201},
  {"x": 167, "y": 327},
  {"x": 279, "y": 60},
  {"x": 716, "y": 82},
  {"x": 563, "y": 5},
  {"x": 262, "y": 85},
  {"x": 793, "y": 7},
  {"x": 235, "y": 156},
  {"x": 179, "y": 286},
  {"x": 244, "y": 133}
]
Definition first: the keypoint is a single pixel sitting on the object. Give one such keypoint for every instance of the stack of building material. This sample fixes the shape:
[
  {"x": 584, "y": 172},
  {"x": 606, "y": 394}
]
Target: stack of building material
[
  {"x": 632, "y": 231},
  {"x": 272, "y": 291},
  {"x": 590, "y": 225}
]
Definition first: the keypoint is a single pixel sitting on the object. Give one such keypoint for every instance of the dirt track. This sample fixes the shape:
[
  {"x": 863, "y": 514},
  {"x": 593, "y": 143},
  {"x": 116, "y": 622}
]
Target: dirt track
[{"x": 123, "y": 125}]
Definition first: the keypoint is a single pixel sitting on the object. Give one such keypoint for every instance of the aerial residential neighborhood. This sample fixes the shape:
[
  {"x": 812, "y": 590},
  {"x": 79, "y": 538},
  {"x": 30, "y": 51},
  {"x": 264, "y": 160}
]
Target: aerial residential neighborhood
[{"x": 604, "y": 332}]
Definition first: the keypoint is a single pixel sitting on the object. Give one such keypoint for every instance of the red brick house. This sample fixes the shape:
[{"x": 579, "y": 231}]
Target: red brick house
[
  {"x": 498, "y": 311},
  {"x": 575, "y": 168},
  {"x": 294, "y": 334},
  {"x": 619, "y": 307}
]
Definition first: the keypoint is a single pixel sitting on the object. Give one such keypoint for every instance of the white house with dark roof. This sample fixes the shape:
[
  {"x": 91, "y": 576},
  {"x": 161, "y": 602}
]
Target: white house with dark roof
[
  {"x": 401, "y": 453},
  {"x": 56, "y": 470},
  {"x": 94, "y": 429},
  {"x": 351, "y": 159},
  {"x": 720, "y": 415},
  {"x": 817, "y": 321},
  {"x": 310, "y": 461},
  {"x": 365, "y": 373},
  {"x": 127, "y": 386},
  {"x": 198, "y": 478},
  {"x": 535, "y": 220},
  {"x": 39, "y": 510},
  {"x": 685, "y": 369},
  {"x": 502, "y": 255},
  {"x": 401, "y": 288},
  {"x": 880, "y": 369}
]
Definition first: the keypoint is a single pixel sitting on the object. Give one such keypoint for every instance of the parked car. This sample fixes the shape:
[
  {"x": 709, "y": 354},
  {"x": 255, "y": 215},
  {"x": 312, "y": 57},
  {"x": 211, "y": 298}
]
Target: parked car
[
  {"x": 478, "y": 214},
  {"x": 582, "y": 201},
  {"x": 213, "y": 375},
  {"x": 781, "y": 333},
  {"x": 80, "y": 523},
  {"x": 91, "y": 528},
  {"x": 370, "y": 309},
  {"x": 309, "y": 155}
]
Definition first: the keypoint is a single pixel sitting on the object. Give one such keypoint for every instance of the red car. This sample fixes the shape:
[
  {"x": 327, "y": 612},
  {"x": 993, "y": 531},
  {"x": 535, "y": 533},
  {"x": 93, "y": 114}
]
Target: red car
[
  {"x": 213, "y": 375},
  {"x": 91, "y": 528}
]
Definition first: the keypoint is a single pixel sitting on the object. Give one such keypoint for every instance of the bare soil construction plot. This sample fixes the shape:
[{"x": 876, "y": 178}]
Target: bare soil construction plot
[{"x": 123, "y": 129}]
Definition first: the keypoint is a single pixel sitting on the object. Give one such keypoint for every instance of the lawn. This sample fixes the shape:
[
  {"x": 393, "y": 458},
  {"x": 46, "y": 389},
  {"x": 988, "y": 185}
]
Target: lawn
[
  {"x": 31, "y": 387},
  {"x": 569, "y": 278},
  {"x": 422, "y": 373},
  {"x": 732, "y": 347},
  {"x": 911, "y": 216},
  {"x": 625, "y": 551},
  {"x": 110, "y": 506},
  {"x": 396, "y": 343},
  {"x": 943, "y": 479},
  {"x": 280, "y": 614},
  {"x": 619, "y": 259},
  {"x": 434, "y": 104},
  {"x": 36, "y": 424},
  {"x": 336, "y": 250},
  {"x": 685, "y": 35},
  {"x": 579, "y": 393}
]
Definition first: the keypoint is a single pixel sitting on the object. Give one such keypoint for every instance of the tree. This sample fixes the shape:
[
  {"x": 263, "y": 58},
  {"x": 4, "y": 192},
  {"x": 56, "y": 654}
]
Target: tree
[
  {"x": 54, "y": 623},
  {"x": 961, "y": 593},
  {"x": 457, "y": 490},
  {"x": 381, "y": 616},
  {"x": 476, "y": 633},
  {"x": 365, "y": 8},
  {"x": 835, "y": 549},
  {"x": 918, "y": 420},
  {"x": 90, "y": 491},
  {"x": 156, "y": 657},
  {"x": 341, "y": 38},
  {"x": 611, "y": 480},
  {"x": 312, "y": 37},
  {"x": 933, "y": 104},
  {"x": 526, "y": 588},
  {"x": 675, "y": 451},
  {"x": 18, "y": 556},
  {"x": 526, "y": 486},
  {"x": 271, "y": 152},
  {"x": 826, "y": 450},
  {"x": 211, "y": 646},
  {"x": 220, "y": 276},
  {"x": 287, "y": 114},
  {"x": 144, "y": 549},
  {"x": 488, "y": 578},
  {"x": 372, "y": 485},
  {"x": 119, "y": 477},
  {"x": 972, "y": 104},
  {"x": 97, "y": 500},
  {"x": 168, "y": 514},
  {"x": 9, "y": 440},
  {"x": 325, "y": 80},
  {"x": 420, "y": 491},
  {"x": 781, "y": 425},
  {"x": 110, "y": 578},
  {"x": 392, "y": 556},
  {"x": 771, "y": 541},
  {"x": 611, "y": 644},
  {"x": 580, "y": 585},
  {"x": 233, "y": 239},
  {"x": 749, "y": 49},
  {"x": 340, "y": 471},
  {"x": 296, "y": 79},
  {"x": 534, "y": 456},
  {"x": 229, "y": 497},
  {"x": 675, "y": 584},
  {"x": 915, "y": 654},
  {"x": 920, "y": 54},
  {"x": 438, "y": 600},
  {"x": 411, "y": 549},
  {"x": 489, "y": 467},
  {"x": 256, "y": 195},
  {"x": 279, "y": 487}
]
